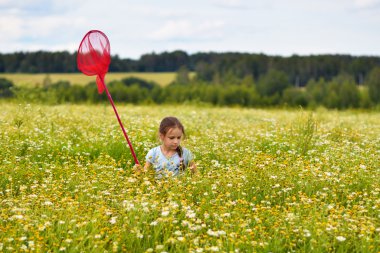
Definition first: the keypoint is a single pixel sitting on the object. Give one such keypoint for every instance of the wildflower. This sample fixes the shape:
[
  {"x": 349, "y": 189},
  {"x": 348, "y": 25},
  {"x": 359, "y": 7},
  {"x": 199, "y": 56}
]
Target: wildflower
[
  {"x": 160, "y": 247},
  {"x": 214, "y": 248},
  {"x": 165, "y": 213},
  {"x": 190, "y": 214},
  {"x": 171, "y": 240},
  {"x": 221, "y": 232},
  {"x": 216, "y": 233},
  {"x": 306, "y": 233},
  {"x": 113, "y": 220},
  {"x": 341, "y": 238},
  {"x": 47, "y": 203}
]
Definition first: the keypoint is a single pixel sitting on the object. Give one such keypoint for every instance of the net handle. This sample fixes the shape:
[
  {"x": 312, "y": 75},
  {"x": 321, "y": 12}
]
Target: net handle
[{"x": 121, "y": 124}]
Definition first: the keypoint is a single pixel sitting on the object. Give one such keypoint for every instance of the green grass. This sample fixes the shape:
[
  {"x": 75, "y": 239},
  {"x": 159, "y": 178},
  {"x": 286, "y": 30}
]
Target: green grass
[
  {"x": 22, "y": 79},
  {"x": 269, "y": 181}
]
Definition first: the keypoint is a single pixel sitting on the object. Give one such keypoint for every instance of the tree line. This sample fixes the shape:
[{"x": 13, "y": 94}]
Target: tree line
[
  {"x": 252, "y": 80},
  {"x": 210, "y": 67},
  {"x": 273, "y": 89}
]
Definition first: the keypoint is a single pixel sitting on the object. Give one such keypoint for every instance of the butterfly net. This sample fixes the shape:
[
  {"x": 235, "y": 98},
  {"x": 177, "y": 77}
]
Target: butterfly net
[{"x": 94, "y": 56}]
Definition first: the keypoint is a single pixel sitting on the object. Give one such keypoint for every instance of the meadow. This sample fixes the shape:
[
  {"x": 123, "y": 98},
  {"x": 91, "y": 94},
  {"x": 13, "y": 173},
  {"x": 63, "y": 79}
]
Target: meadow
[
  {"x": 30, "y": 80},
  {"x": 269, "y": 181}
]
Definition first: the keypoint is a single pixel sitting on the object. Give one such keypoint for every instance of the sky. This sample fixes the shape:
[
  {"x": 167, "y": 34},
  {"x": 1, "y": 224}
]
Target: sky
[{"x": 137, "y": 27}]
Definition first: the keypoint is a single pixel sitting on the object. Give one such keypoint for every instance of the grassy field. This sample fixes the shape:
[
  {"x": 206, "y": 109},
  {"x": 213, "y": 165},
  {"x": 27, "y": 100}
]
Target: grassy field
[
  {"x": 269, "y": 181},
  {"x": 20, "y": 79}
]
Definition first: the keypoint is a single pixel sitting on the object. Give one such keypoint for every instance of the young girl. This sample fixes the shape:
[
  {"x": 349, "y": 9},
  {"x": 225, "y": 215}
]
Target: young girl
[{"x": 170, "y": 158}]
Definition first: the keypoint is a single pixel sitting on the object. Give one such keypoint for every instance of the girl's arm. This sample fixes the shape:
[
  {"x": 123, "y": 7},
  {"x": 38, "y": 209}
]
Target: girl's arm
[
  {"x": 193, "y": 167},
  {"x": 140, "y": 168},
  {"x": 147, "y": 166}
]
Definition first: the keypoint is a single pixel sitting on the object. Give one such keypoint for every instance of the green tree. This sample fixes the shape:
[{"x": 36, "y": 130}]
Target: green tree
[
  {"x": 5, "y": 88},
  {"x": 294, "y": 96},
  {"x": 204, "y": 71},
  {"x": 182, "y": 76},
  {"x": 273, "y": 82},
  {"x": 373, "y": 84},
  {"x": 316, "y": 92},
  {"x": 342, "y": 92},
  {"x": 365, "y": 100}
]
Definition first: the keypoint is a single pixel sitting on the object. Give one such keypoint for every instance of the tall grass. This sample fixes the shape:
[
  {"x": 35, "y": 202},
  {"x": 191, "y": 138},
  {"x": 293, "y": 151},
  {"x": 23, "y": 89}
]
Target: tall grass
[{"x": 269, "y": 181}]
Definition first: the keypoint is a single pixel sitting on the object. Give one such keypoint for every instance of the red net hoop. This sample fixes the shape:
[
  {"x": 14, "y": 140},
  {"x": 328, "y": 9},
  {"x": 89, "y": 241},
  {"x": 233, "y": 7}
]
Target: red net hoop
[{"x": 94, "y": 56}]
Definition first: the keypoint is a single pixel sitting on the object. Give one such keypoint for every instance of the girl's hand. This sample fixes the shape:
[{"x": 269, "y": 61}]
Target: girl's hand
[
  {"x": 193, "y": 167},
  {"x": 138, "y": 168}
]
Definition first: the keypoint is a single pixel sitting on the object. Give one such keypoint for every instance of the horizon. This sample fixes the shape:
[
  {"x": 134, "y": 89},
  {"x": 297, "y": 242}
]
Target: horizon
[{"x": 203, "y": 52}]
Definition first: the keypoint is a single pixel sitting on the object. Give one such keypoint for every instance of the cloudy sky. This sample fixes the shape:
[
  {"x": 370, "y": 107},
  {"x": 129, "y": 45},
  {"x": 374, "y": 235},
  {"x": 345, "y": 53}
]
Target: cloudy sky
[{"x": 136, "y": 27}]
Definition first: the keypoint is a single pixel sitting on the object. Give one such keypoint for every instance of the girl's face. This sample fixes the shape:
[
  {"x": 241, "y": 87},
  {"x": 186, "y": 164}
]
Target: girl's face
[{"x": 172, "y": 139}]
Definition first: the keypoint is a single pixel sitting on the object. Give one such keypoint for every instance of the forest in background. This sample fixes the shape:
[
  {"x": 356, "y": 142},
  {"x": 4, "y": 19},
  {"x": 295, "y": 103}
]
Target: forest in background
[
  {"x": 253, "y": 80},
  {"x": 208, "y": 66}
]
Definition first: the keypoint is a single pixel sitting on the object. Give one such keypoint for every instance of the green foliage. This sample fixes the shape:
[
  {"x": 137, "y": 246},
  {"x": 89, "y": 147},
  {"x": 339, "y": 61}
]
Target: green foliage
[
  {"x": 130, "y": 81},
  {"x": 273, "y": 82},
  {"x": 373, "y": 83},
  {"x": 218, "y": 67},
  {"x": 270, "y": 79},
  {"x": 5, "y": 88},
  {"x": 365, "y": 100},
  {"x": 182, "y": 76},
  {"x": 293, "y": 96},
  {"x": 205, "y": 71},
  {"x": 271, "y": 90},
  {"x": 342, "y": 93},
  {"x": 316, "y": 91},
  {"x": 303, "y": 132}
]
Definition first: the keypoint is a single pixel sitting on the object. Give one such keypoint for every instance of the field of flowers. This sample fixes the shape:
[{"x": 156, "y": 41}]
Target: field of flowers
[{"x": 268, "y": 181}]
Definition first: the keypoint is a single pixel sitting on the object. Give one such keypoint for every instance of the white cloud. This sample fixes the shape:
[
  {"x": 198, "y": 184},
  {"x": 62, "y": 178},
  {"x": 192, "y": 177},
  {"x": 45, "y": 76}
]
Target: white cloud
[
  {"x": 366, "y": 3},
  {"x": 229, "y": 3},
  {"x": 187, "y": 29},
  {"x": 10, "y": 27}
]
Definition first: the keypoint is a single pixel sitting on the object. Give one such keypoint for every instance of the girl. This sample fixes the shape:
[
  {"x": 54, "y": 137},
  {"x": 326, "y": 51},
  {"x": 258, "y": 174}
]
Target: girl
[{"x": 170, "y": 158}]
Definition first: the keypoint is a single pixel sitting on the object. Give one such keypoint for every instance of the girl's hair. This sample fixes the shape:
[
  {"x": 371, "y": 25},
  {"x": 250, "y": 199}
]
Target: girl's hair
[
  {"x": 172, "y": 122},
  {"x": 168, "y": 123}
]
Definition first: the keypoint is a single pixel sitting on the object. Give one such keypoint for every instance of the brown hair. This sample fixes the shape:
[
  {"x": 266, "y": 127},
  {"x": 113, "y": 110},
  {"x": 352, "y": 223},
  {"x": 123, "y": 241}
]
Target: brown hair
[
  {"x": 172, "y": 122},
  {"x": 168, "y": 123}
]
